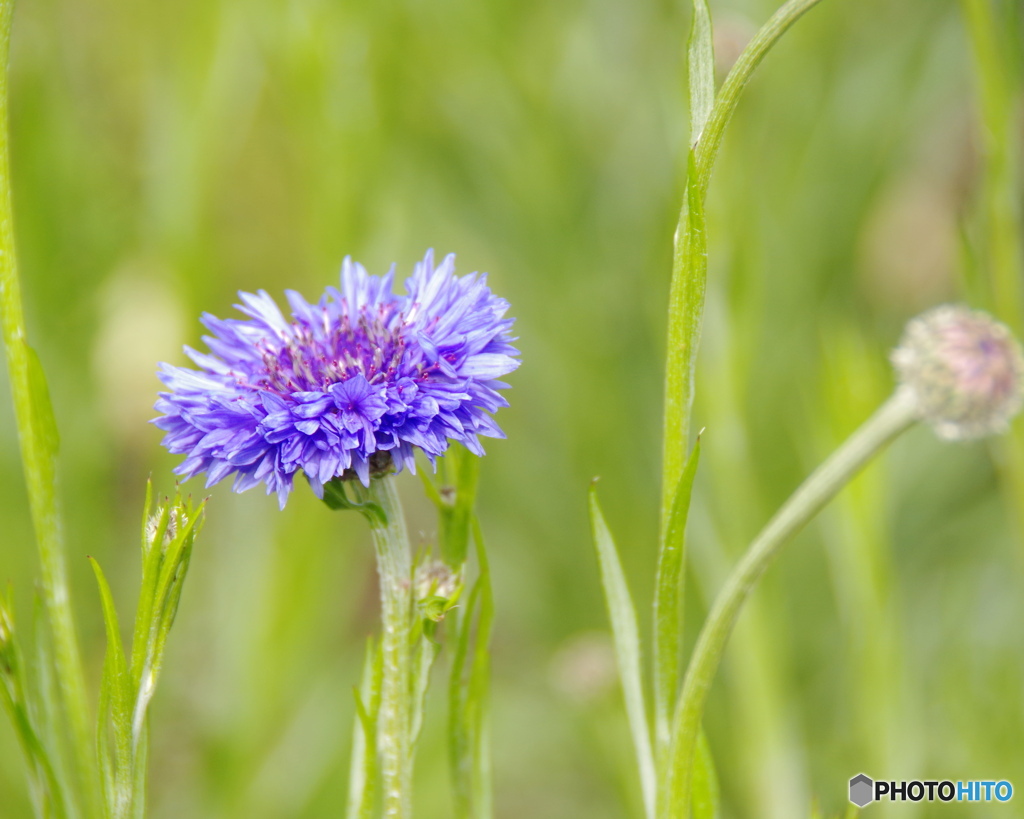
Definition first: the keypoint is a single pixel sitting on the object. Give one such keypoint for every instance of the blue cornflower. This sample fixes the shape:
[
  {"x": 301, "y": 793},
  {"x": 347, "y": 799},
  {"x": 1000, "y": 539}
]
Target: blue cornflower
[{"x": 359, "y": 378}]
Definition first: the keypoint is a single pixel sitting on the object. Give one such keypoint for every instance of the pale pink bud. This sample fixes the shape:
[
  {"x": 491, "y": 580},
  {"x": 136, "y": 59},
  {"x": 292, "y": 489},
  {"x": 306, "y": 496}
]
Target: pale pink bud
[{"x": 964, "y": 370}]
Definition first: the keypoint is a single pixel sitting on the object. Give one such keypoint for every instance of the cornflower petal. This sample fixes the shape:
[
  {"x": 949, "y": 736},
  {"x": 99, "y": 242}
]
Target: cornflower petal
[{"x": 361, "y": 371}]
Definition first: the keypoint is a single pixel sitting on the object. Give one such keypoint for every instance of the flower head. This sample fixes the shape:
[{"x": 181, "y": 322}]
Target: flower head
[
  {"x": 964, "y": 369},
  {"x": 362, "y": 373}
]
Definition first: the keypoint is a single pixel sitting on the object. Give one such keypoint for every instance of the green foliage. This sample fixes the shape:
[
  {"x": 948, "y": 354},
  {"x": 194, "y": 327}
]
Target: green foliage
[
  {"x": 363, "y": 771},
  {"x": 166, "y": 156},
  {"x": 469, "y": 696},
  {"x": 129, "y": 681},
  {"x": 668, "y": 608},
  {"x": 20, "y": 701},
  {"x": 37, "y": 435},
  {"x": 626, "y": 637},
  {"x": 701, "y": 66}
]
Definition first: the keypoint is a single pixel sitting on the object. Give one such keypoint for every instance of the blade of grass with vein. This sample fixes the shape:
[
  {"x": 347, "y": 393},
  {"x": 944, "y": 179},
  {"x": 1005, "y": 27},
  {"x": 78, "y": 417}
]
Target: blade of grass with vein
[
  {"x": 701, "y": 68},
  {"x": 626, "y": 638},
  {"x": 38, "y": 441},
  {"x": 668, "y": 610},
  {"x": 479, "y": 682},
  {"x": 423, "y": 664},
  {"x": 362, "y": 781},
  {"x": 469, "y": 696},
  {"x": 704, "y": 801},
  {"x": 115, "y": 705},
  {"x": 689, "y": 268},
  {"x": 686, "y": 311},
  {"x": 459, "y": 730},
  {"x": 689, "y": 261}
]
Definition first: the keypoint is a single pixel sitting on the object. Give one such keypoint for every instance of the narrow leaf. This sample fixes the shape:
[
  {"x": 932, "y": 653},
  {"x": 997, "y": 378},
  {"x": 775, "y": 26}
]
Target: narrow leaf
[
  {"x": 153, "y": 534},
  {"x": 363, "y": 765},
  {"x": 479, "y": 684},
  {"x": 42, "y": 778},
  {"x": 44, "y": 425},
  {"x": 469, "y": 700},
  {"x": 729, "y": 95},
  {"x": 423, "y": 662},
  {"x": 701, "y": 59},
  {"x": 460, "y": 730},
  {"x": 704, "y": 802},
  {"x": 668, "y": 608},
  {"x": 115, "y": 695},
  {"x": 685, "y": 319},
  {"x": 626, "y": 638}
]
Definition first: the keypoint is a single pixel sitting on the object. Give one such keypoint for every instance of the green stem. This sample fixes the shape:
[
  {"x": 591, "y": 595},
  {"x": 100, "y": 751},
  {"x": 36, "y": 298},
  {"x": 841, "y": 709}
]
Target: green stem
[
  {"x": 687, "y": 289},
  {"x": 36, "y": 435},
  {"x": 394, "y": 566},
  {"x": 892, "y": 418},
  {"x": 729, "y": 95}
]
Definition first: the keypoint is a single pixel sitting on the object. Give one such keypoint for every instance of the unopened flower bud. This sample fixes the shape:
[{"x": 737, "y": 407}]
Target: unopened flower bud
[
  {"x": 964, "y": 370},
  {"x": 436, "y": 588},
  {"x": 153, "y": 524},
  {"x": 435, "y": 579}
]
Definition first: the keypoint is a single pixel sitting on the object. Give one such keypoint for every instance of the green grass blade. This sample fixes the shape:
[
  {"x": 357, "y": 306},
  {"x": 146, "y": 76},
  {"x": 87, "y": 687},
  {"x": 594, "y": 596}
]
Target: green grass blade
[
  {"x": 704, "y": 802},
  {"x": 173, "y": 567},
  {"x": 479, "y": 684},
  {"x": 423, "y": 663},
  {"x": 686, "y": 315},
  {"x": 468, "y": 695},
  {"x": 701, "y": 60},
  {"x": 363, "y": 764},
  {"x": 42, "y": 777},
  {"x": 729, "y": 95},
  {"x": 152, "y": 556},
  {"x": 44, "y": 705},
  {"x": 460, "y": 731},
  {"x": 38, "y": 441},
  {"x": 668, "y": 609},
  {"x": 115, "y": 672},
  {"x": 626, "y": 637},
  {"x": 689, "y": 262},
  {"x": 115, "y": 705}
]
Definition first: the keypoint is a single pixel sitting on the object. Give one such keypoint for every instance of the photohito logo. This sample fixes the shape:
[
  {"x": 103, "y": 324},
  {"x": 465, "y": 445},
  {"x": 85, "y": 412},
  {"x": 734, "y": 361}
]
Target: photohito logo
[{"x": 864, "y": 790}]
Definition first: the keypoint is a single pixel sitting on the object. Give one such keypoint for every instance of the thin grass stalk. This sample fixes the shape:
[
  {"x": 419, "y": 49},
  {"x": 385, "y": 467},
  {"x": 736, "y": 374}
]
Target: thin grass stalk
[
  {"x": 891, "y": 419},
  {"x": 38, "y": 441},
  {"x": 689, "y": 263}
]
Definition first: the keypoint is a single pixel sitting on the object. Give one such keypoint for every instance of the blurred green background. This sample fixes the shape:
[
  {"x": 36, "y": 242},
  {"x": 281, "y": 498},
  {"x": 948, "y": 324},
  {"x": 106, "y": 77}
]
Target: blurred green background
[{"x": 166, "y": 155}]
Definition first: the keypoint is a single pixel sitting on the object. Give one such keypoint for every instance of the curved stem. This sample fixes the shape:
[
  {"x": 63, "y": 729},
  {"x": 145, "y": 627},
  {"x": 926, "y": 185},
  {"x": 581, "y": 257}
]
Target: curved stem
[
  {"x": 892, "y": 418},
  {"x": 689, "y": 264},
  {"x": 394, "y": 566},
  {"x": 710, "y": 139}
]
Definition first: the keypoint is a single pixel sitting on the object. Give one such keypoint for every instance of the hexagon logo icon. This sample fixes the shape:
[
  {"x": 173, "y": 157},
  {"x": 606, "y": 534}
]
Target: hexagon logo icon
[{"x": 862, "y": 790}]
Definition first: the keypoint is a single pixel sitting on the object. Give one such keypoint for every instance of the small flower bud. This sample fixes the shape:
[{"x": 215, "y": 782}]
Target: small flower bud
[
  {"x": 435, "y": 579},
  {"x": 964, "y": 370},
  {"x": 170, "y": 531},
  {"x": 437, "y": 588}
]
